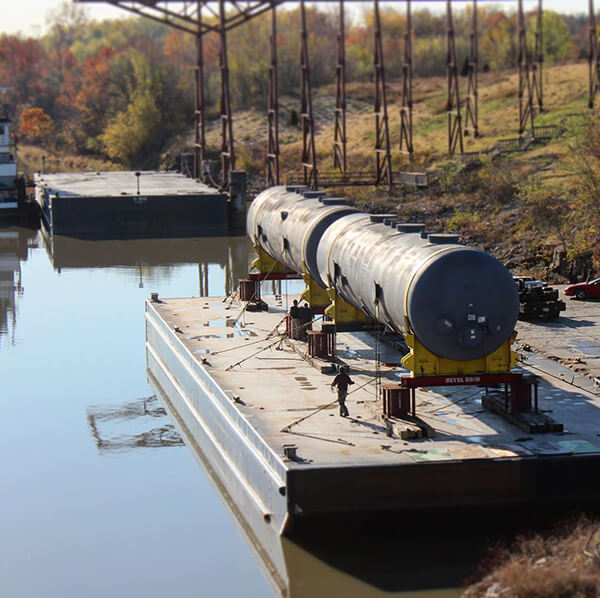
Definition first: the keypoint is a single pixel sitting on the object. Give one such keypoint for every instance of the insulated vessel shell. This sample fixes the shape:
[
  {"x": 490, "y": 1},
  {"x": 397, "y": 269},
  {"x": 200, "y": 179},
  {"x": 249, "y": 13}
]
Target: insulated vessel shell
[
  {"x": 460, "y": 303},
  {"x": 289, "y": 226}
]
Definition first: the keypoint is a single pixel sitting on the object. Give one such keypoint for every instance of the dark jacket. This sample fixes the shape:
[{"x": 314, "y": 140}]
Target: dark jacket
[
  {"x": 306, "y": 315},
  {"x": 342, "y": 380}
]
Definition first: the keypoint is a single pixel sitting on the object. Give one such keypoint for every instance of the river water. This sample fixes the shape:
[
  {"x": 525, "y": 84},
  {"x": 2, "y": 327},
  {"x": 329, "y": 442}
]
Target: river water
[{"x": 99, "y": 496}]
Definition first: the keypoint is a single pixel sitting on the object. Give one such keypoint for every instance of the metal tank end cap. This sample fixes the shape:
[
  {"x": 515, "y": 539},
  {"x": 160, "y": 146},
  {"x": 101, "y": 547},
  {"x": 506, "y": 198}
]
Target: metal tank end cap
[
  {"x": 471, "y": 336},
  {"x": 463, "y": 305}
]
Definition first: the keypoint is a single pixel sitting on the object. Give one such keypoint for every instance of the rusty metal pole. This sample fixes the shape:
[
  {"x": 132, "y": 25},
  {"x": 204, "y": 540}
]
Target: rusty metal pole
[
  {"x": 455, "y": 133},
  {"x": 593, "y": 56},
  {"x": 309, "y": 156},
  {"x": 406, "y": 113},
  {"x": 538, "y": 59},
  {"x": 227, "y": 145},
  {"x": 383, "y": 153},
  {"x": 472, "y": 97},
  {"x": 525, "y": 101},
  {"x": 199, "y": 102},
  {"x": 273, "y": 177},
  {"x": 339, "y": 141}
]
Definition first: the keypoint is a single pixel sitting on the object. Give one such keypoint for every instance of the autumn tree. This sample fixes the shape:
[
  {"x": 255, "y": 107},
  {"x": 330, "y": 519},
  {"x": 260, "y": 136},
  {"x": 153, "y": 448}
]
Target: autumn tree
[
  {"x": 36, "y": 126},
  {"x": 24, "y": 68}
]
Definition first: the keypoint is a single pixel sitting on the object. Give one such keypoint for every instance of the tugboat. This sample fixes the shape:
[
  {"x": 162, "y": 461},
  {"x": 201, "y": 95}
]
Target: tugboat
[{"x": 11, "y": 195}]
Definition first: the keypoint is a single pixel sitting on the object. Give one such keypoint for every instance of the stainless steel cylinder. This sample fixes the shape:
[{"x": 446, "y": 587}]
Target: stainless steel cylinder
[
  {"x": 288, "y": 225},
  {"x": 459, "y": 302}
]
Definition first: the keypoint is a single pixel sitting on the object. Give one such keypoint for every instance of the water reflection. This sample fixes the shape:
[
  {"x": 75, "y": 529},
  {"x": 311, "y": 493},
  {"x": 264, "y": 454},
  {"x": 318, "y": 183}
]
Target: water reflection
[
  {"x": 152, "y": 258},
  {"x": 107, "y": 423},
  {"x": 357, "y": 556},
  {"x": 14, "y": 245},
  {"x": 82, "y": 504}
]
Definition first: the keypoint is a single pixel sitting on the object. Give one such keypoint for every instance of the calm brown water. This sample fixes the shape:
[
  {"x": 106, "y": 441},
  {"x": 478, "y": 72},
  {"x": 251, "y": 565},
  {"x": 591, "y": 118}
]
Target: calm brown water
[{"x": 99, "y": 496}]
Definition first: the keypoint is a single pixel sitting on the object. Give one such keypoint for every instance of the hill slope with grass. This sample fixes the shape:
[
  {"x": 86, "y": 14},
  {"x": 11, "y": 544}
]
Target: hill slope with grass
[{"x": 533, "y": 210}]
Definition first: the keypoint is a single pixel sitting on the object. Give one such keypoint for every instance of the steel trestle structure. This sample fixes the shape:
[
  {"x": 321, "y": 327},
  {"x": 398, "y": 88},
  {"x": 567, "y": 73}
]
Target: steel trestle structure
[
  {"x": 199, "y": 103},
  {"x": 536, "y": 66},
  {"x": 593, "y": 57},
  {"x": 455, "y": 132},
  {"x": 383, "y": 154},
  {"x": 339, "y": 135},
  {"x": 526, "y": 110},
  {"x": 406, "y": 107},
  {"x": 201, "y": 17},
  {"x": 307, "y": 122},
  {"x": 471, "y": 98},
  {"x": 272, "y": 169}
]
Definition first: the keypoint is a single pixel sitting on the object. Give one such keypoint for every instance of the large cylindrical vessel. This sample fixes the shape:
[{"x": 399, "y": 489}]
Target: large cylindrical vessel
[
  {"x": 460, "y": 303},
  {"x": 289, "y": 224}
]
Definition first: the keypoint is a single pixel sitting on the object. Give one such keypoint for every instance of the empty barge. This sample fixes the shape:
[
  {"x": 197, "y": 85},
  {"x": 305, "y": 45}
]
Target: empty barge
[{"x": 125, "y": 205}]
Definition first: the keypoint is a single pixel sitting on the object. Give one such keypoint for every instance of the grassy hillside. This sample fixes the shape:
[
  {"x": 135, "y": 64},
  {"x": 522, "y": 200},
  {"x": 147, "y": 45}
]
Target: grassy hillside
[
  {"x": 565, "y": 91},
  {"x": 491, "y": 207}
]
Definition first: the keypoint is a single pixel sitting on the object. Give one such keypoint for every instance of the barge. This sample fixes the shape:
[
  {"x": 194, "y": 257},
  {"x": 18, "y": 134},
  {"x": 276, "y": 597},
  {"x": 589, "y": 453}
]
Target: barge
[
  {"x": 125, "y": 205},
  {"x": 247, "y": 394}
]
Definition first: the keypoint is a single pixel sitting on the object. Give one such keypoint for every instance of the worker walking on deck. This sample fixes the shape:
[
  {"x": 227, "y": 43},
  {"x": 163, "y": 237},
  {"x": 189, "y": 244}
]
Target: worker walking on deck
[
  {"x": 342, "y": 381},
  {"x": 295, "y": 322}
]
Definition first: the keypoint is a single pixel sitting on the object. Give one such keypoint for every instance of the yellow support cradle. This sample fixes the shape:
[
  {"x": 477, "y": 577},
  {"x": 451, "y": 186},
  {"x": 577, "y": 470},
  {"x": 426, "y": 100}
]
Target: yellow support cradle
[
  {"x": 342, "y": 312},
  {"x": 314, "y": 293},
  {"x": 421, "y": 362},
  {"x": 265, "y": 264}
]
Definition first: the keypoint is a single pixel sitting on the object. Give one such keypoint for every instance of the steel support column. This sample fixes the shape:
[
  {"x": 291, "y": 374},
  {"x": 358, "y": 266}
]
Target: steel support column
[
  {"x": 472, "y": 97},
  {"x": 273, "y": 108},
  {"x": 309, "y": 156},
  {"x": 199, "y": 103},
  {"x": 526, "y": 115},
  {"x": 339, "y": 138},
  {"x": 227, "y": 144},
  {"x": 406, "y": 114},
  {"x": 593, "y": 57},
  {"x": 455, "y": 132},
  {"x": 538, "y": 59},
  {"x": 383, "y": 153}
]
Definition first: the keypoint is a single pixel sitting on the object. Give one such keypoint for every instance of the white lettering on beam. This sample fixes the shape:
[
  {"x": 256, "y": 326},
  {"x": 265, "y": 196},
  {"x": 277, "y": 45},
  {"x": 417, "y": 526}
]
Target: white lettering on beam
[{"x": 463, "y": 380}]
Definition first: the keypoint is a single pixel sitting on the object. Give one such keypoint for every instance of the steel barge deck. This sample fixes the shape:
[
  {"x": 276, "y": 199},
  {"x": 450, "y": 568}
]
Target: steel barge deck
[{"x": 242, "y": 391}]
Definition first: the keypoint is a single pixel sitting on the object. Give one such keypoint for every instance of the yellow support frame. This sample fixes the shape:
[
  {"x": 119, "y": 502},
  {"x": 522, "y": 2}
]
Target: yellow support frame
[
  {"x": 341, "y": 312},
  {"x": 314, "y": 293},
  {"x": 265, "y": 264},
  {"x": 422, "y": 362}
]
